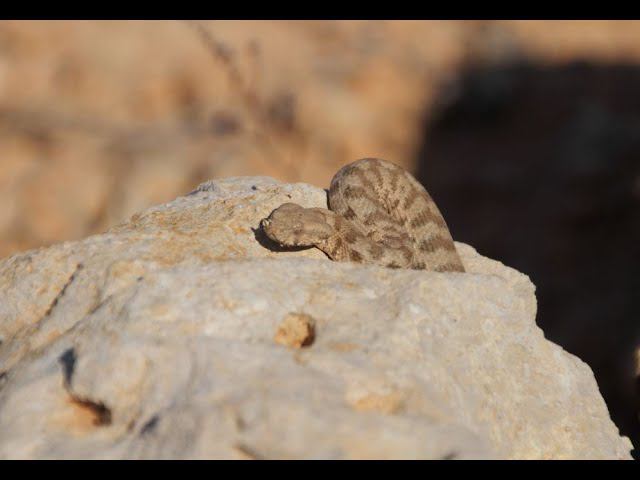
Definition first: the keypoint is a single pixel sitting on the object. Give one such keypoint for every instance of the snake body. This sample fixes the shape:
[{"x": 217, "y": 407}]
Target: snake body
[{"x": 378, "y": 213}]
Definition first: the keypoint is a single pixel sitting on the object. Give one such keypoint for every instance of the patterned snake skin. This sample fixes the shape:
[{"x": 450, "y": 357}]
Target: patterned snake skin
[{"x": 379, "y": 213}]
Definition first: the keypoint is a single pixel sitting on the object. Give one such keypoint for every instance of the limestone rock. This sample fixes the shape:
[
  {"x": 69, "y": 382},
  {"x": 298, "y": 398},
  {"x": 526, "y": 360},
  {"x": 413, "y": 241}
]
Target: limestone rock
[{"x": 157, "y": 340}]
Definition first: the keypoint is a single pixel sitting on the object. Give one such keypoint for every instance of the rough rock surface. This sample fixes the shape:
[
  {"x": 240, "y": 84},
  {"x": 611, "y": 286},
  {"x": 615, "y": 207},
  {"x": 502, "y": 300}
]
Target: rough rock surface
[{"x": 157, "y": 340}]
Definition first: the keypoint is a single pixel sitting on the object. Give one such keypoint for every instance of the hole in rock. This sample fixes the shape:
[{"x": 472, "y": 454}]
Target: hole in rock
[{"x": 95, "y": 413}]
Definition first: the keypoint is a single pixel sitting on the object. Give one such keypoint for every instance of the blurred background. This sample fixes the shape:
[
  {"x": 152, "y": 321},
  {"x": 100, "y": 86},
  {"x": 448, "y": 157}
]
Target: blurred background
[{"x": 526, "y": 133}]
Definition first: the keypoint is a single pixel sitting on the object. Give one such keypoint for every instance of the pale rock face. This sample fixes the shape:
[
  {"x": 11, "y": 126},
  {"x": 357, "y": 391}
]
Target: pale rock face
[{"x": 184, "y": 334}]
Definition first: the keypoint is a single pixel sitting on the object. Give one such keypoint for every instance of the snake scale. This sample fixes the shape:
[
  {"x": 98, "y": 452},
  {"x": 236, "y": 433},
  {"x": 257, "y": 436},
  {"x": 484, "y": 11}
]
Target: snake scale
[{"x": 378, "y": 213}]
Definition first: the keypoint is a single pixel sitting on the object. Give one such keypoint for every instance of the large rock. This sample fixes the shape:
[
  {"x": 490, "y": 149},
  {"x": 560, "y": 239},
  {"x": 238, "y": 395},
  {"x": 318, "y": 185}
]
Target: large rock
[{"x": 184, "y": 333}]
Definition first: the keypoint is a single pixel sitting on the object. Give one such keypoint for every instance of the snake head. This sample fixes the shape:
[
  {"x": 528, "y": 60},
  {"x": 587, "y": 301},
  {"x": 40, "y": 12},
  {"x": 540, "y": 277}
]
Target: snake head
[{"x": 291, "y": 225}]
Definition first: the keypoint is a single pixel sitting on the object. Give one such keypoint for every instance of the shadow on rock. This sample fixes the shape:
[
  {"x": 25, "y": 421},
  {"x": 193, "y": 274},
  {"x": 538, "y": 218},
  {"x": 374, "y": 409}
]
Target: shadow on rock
[{"x": 539, "y": 167}]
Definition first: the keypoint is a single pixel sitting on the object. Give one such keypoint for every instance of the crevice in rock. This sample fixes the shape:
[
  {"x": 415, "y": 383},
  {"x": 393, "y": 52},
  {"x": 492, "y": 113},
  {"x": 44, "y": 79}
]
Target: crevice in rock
[
  {"x": 99, "y": 304},
  {"x": 150, "y": 425},
  {"x": 450, "y": 455},
  {"x": 99, "y": 411},
  {"x": 68, "y": 362},
  {"x": 247, "y": 452},
  {"x": 62, "y": 291}
]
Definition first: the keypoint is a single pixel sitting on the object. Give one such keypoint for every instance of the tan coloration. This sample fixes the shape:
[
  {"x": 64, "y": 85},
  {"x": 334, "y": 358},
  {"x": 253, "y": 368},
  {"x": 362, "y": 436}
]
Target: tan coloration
[
  {"x": 79, "y": 417},
  {"x": 296, "y": 330},
  {"x": 244, "y": 452},
  {"x": 379, "y": 213},
  {"x": 356, "y": 256},
  {"x": 372, "y": 402},
  {"x": 344, "y": 347}
]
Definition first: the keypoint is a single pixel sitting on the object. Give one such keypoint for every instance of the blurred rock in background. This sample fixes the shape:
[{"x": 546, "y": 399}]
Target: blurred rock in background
[
  {"x": 99, "y": 120},
  {"x": 532, "y": 158}
]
